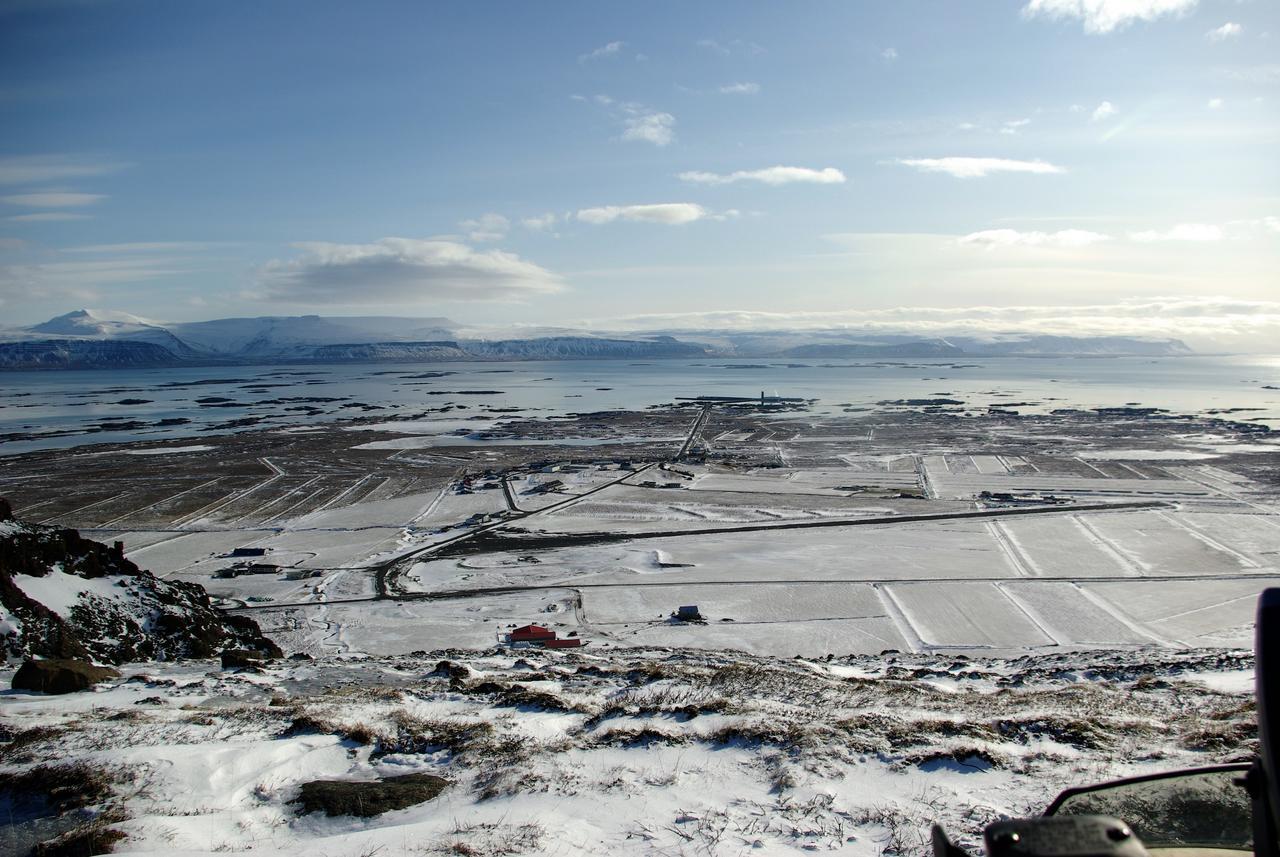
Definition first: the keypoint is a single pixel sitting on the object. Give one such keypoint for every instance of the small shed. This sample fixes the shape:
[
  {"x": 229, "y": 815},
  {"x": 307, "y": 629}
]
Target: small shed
[
  {"x": 239, "y": 552},
  {"x": 688, "y": 613}
]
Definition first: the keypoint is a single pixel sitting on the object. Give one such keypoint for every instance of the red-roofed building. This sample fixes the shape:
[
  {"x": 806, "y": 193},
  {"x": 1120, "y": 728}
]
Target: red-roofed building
[{"x": 532, "y": 634}]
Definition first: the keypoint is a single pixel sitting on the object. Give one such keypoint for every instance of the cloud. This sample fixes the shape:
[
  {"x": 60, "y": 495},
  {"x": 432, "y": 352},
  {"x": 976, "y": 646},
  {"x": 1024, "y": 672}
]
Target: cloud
[
  {"x": 967, "y": 168},
  {"x": 1106, "y": 16},
  {"x": 1183, "y": 232},
  {"x": 769, "y": 175},
  {"x": 1214, "y": 104},
  {"x": 612, "y": 49},
  {"x": 48, "y": 217},
  {"x": 79, "y": 280},
  {"x": 639, "y": 123},
  {"x": 1012, "y": 126},
  {"x": 402, "y": 269},
  {"x": 53, "y": 199},
  {"x": 889, "y": 54},
  {"x": 32, "y": 169},
  {"x": 1219, "y": 319},
  {"x": 668, "y": 213},
  {"x": 1103, "y": 111},
  {"x": 1256, "y": 74},
  {"x": 1228, "y": 30},
  {"x": 540, "y": 222},
  {"x": 142, "y": 247},
  {"x": 649, "y": 126},
  {"x": 991, "y": 238},
  {"x": 745, "y": 88},
  {"x": 724, "y": 49},
  {"x": 487, "y": 227}
]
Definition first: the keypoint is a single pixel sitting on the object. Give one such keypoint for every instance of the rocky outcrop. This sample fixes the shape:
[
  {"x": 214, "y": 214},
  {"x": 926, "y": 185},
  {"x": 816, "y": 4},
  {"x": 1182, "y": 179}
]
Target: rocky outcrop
[
  {"x": 368, "y": 798},
  {"x": 60, "y": 676},
  {"x": 64, "y": 596}
]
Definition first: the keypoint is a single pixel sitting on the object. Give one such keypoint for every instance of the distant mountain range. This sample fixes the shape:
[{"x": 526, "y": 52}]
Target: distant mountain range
[{"x": 87, "y": 339}]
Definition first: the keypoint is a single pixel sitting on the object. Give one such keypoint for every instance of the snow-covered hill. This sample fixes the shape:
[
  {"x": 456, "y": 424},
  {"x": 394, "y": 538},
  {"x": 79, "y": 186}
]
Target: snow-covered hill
[{"x": 630, "y": 751}]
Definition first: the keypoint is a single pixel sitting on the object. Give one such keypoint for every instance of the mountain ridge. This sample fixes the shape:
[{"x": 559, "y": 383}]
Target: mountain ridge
[{"x": 85, "y": 339}]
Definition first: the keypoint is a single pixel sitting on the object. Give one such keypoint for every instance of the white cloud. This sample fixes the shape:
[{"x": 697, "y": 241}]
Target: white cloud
[
  {"x": 30, "y": 169},
  {"x": 1258, "y": 74},
  {"x": 889, "y": 54},
  {"x": 540, "y": 222},
  {"x": 967, "y": 168},
  {"x": 141, "y": 247},
  {"x": 1012, "y": 126},
  {"x": 79, "y": 280},
  {"x": 1103, "y": 111},
  {"x": 612, "y": 49},
  {"x": 649, "y": 126},
  {"x": 735, "y": 46},
  {"x": 1182, "y": 232},
  {"x": 1210, "y": 318},
  {"x": 991, "y": 238},
  {"x": 769, "y": 175},
  {"x": 48, "y": 217},
  {"x": 1226, "y": 31},
  {"x": 1214, "y": 104},
  {"x": 402, "y": 269},
  {"x": 669, "y": 213},
  {"x": 487, "y": 227},
  {"x": 744, "y": 88},
  {"x": 1105, "y": 16},
  {"x": 53, "y": 199}
]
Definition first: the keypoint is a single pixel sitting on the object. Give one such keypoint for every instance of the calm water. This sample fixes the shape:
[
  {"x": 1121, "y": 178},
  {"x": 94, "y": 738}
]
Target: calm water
[{"x": 48, "y": 402}]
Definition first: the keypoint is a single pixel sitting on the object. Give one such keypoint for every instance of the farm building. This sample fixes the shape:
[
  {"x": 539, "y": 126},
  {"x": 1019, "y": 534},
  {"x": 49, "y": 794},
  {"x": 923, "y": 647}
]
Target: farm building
[
  {"x": 531, "y": 633},
  {"x": 537, "y": 635}
]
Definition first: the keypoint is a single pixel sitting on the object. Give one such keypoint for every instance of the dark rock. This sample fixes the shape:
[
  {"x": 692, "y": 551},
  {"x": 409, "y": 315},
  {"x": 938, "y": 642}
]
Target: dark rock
[
  {"x": 60, "y": 676},
  {"x": 452, "y": 670},
  {"x": 367, "y": 799},
  {"x": 6, "y": 511},
  {"x": 242, "y": 658}
]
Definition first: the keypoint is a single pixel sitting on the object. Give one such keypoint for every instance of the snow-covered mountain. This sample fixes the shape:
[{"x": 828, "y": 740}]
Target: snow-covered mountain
[{"x": 99, "y": 339}]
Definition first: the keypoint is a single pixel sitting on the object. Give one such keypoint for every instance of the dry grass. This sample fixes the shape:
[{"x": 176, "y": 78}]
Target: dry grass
[{"x": 64, "y": 787}]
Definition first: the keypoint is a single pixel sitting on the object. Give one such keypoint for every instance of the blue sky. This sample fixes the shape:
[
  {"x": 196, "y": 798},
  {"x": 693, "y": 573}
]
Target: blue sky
[{"x": 1100, "y": 165}]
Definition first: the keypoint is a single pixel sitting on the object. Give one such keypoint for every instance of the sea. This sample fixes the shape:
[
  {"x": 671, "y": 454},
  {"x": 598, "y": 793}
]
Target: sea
[{"x": 42, "y": 410}]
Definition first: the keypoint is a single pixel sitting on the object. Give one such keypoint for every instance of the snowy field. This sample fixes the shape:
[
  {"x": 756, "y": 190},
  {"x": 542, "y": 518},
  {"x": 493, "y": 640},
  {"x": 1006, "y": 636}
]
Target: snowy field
[{"x": 804, "y": 532}]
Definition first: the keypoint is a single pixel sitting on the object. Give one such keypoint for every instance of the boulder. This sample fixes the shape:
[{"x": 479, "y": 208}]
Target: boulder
[
  {"x": 242, "y": 658},
  {"x": 60, "y": 675},
  {"x": 370, "y": 798}
]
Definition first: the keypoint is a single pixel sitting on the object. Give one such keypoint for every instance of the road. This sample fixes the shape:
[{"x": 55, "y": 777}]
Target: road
[
  {"x": 463, "y": 594},
  {"x": 386, "y": 589},
  {"x": 524, "y": 541}
]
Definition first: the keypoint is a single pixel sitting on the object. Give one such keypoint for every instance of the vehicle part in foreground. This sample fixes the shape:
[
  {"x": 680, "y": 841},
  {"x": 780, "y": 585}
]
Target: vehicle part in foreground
[{"x": 1184, "y": 813}]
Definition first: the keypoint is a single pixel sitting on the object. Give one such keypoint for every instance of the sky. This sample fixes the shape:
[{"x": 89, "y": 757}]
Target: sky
[{"x": 1090, "y": 166}]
